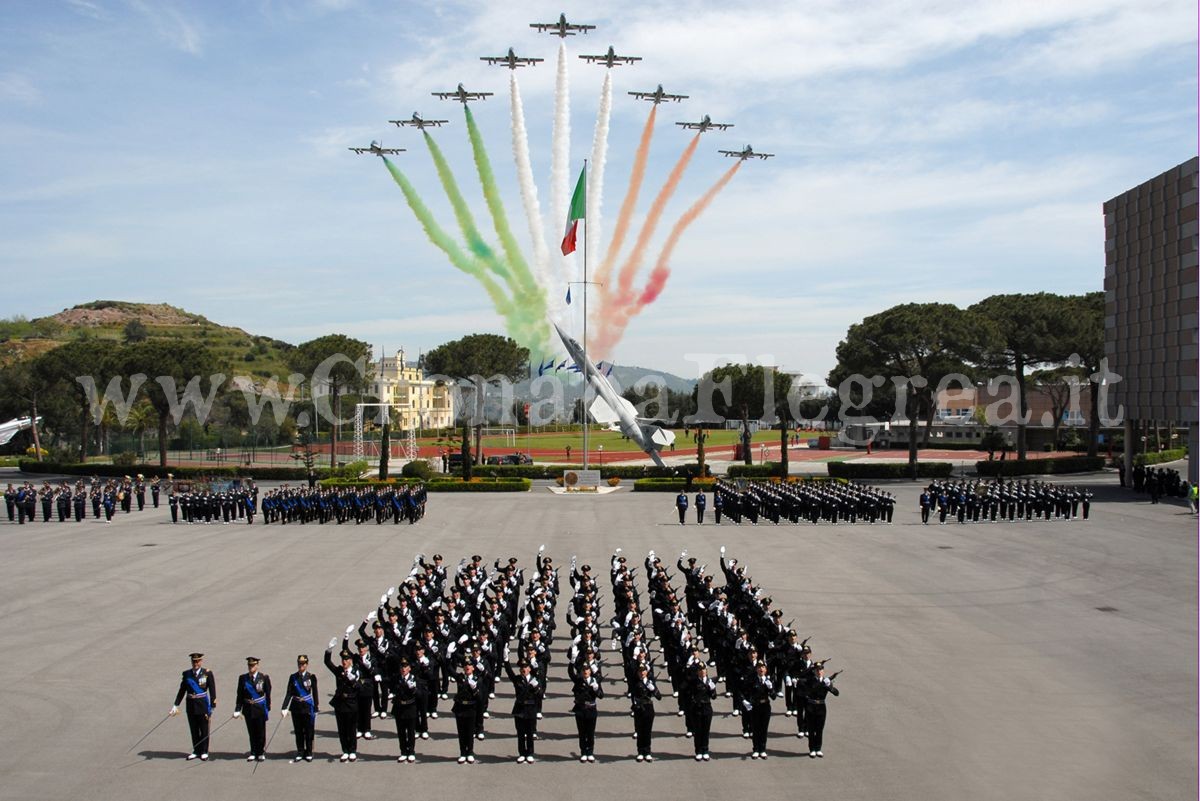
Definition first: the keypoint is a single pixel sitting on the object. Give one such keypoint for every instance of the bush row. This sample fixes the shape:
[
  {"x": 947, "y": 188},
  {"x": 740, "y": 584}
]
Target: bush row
[
  {"x": 672, "y": 484},
  {"x": 440, "y": 485},
  {"x": 550, "y": 471},
  {"x": 1037, "y": 467},
  {"x": 1158, "y": 458},
  {"x": 764, "y": 470},
  {"x": 857, "y": 470},
  {"x": 481, "y": 485},
  {"x": 178, "y": 471}
]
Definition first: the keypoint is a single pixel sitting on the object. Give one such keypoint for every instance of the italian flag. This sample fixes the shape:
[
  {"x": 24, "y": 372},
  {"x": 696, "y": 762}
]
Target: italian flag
[{"x": 575, "y": 213}]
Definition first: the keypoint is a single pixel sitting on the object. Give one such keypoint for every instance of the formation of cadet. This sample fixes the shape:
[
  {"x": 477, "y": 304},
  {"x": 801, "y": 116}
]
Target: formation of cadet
[
  {"x": 801, "y": 502},
  {"x": 69, "y": 500},
  {"x": 1159, "y": 481},
  {"x": 754, "y": 653},
  {"x": 299, "y": 505},
  {"x": 345, "y": 504},
  {"x": 205, "y": 506},
  {"x": 1000, "y": 501},
  {"x": 471, "y": 627}
]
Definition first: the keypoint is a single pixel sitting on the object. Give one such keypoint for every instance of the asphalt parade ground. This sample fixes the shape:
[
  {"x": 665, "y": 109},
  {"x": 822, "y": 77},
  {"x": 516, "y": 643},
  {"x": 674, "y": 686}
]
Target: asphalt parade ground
[{"x": 1043, "y": 660}]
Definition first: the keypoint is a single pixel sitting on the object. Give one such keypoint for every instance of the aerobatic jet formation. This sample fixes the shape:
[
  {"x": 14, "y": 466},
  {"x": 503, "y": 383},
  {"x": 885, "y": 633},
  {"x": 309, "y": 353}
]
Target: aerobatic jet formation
[
  {"x": 512, "y": 60},
  {"x": 611, "y": 59},
  {"x": 706, "y": 124},
  {"x": 462, "y": 95},
  {"x": 746, "y": 153},
  {"x": 417, "y": 121},
  {"x": 562, "y": 29},
  {"x": 658, "y": 96},
  {"x": 375, "y": 149}
]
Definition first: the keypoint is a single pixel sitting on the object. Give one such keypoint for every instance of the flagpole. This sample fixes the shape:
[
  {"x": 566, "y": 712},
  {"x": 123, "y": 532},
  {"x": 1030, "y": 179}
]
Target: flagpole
[{"x": 586, "y": 363}]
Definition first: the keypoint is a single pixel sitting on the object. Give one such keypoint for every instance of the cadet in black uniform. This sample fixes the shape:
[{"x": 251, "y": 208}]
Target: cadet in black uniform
[
  {"x": 586, "y": 691},
  {"x": 302, "y": 693},
  {"x": 701, "y": 690},
  {"x": 254, "y": 701},
  {"x": 642, "y": 693},
  {"x": 819, "y": 687},
  {"x": 345, "y": 700},
  {"x": 200, "y": 688},
  {"x": 701, "y": 503},
  {"x": 758, "y": 708},
  {"x": 466, "y": 703},
  {"x": 528, "y": 695},
  {"x": 406, "y": 698},
  {"x": 681, "y": 504}
]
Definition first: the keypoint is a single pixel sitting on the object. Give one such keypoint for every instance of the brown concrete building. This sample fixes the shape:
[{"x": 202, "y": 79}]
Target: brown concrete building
[{"x": 1150, "y": 285}]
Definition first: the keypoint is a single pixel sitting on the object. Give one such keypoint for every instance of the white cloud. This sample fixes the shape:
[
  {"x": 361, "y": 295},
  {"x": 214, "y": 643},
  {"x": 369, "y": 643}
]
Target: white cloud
[
  {"x": 87, "y": 8},
  {"x": 18, "y": 88},
  {"x": 171, "y": 24}
]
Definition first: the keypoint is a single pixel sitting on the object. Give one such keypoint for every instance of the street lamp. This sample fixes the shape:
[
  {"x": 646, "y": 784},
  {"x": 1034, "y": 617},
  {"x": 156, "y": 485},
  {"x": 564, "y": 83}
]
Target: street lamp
[{"x": 600, "y": 448}]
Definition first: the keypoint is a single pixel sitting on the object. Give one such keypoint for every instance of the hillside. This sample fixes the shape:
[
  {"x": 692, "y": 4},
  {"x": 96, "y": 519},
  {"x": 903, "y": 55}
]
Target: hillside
[{"x": 238, "y": 352}]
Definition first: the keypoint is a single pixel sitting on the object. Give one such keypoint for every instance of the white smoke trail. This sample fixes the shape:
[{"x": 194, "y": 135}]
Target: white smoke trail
[
  {"x": 560, "y": 179},
  {"x": 595, "y": 184},
  {"x": 529, "y": 196}
]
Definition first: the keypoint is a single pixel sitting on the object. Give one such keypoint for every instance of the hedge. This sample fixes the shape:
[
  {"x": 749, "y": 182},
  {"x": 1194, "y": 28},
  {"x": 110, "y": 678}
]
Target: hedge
[
  {"x": 858, "y": 470},
  {"x": 1158, "y": 458},
  {"x": 1028, "y": 467},
  {"x": 479, "y": 485},
  {"x": 440, "y": 485},
  {"x": 764, "y": 470},
  {"x": 552, "y": 471},
  {"x": 672, "y": 484},
  {"x": 178, "y": 471}
]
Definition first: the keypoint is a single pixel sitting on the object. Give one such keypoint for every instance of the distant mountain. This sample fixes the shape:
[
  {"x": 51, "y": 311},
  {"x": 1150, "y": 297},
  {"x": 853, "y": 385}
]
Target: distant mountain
[{"x": 238, "y": 352}]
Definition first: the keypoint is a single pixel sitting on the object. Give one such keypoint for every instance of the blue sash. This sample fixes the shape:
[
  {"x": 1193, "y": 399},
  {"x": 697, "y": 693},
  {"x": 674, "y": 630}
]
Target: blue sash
[
  {"x": 197, "y": 691},
  {"x": 256, "y": 698},
  {"x": 305, "y": 699}
]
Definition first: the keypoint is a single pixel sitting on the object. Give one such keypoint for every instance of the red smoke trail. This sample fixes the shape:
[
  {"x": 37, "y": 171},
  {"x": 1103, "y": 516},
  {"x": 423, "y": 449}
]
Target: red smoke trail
[
  {"x": 630, "y": 268},
  {"x": 662, "y": 268},
  {"x": 627, "y": 206},
  {"x": 613, "y": 325}
]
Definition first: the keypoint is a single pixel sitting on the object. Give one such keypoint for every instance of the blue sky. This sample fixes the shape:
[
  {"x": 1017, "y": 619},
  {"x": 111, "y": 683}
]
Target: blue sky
[{"x": 195, "y": 153}]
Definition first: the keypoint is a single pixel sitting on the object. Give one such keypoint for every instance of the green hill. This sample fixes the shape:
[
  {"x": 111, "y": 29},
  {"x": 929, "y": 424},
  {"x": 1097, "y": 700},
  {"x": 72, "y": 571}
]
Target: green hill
[{"x": 236, "y": 351}]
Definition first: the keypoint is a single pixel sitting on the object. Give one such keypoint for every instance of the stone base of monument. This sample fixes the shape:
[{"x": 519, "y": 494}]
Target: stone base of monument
[{"x": 583, "y": 482}]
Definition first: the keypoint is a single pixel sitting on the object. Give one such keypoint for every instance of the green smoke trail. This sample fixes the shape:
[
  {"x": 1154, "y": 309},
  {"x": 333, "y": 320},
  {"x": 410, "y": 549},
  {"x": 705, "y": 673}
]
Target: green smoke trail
[
  {"x": 463, "y": 214},
  {"x": 529, "y": 299},
  {"x": 524, "y": 324},
  {"x": 438, "y": 237},
  {"x": 491, "y": 193}
]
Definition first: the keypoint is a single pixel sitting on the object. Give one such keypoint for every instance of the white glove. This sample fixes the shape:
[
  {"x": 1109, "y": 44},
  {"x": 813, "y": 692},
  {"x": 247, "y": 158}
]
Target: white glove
[
  {"x": 541, "y": 548},
  {"x": 174, "y": 711},
  {"x": 285, "y": 712},
  {"x": 349, "y": 630},
  {"x": 391, "y": 590},
  {"x": 332, "y": 642},
  {"x": 618, "y": 550},
  {"x": 371, "y": 617},
  {"x": 683, "y": 553},
  {"x": 382, "y": 600},
  {"x": 237, "y": 714},
  {"x": 722, "y": 550}
]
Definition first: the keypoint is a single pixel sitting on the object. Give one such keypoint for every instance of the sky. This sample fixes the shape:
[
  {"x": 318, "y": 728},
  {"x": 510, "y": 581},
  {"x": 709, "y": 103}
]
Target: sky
[{"x": 195, "y": 153}]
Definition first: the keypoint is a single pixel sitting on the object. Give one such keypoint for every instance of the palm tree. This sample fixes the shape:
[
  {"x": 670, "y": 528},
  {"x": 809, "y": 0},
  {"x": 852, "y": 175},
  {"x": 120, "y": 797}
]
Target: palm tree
[{"x": 140, "y": 418}]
